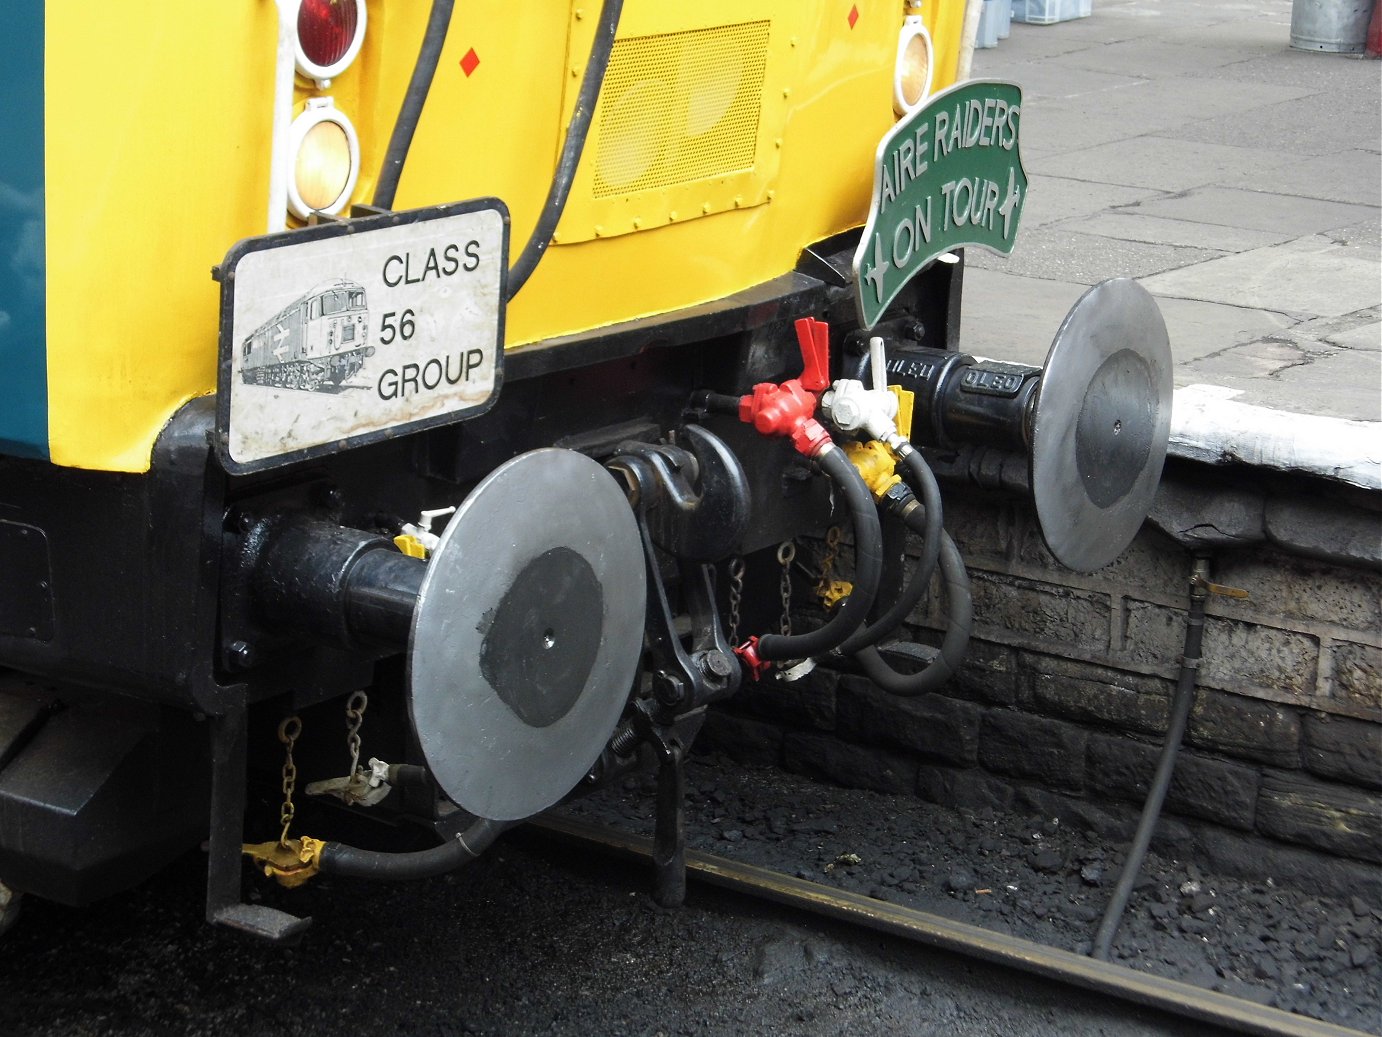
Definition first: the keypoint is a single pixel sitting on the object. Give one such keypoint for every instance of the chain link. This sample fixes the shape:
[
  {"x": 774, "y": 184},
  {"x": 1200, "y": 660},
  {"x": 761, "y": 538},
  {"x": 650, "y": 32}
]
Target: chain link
[
  {"x": 736, "y": 595},
  {"x": 288, "y": 731},
  {"x": 833, "y": 536},
  {"x": 355, "y": 716},
  {"x": 786, "y": 553}
]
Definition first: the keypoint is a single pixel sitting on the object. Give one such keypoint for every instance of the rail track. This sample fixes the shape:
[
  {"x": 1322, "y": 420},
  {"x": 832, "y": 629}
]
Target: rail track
[{"x": 1113, "y": 981}]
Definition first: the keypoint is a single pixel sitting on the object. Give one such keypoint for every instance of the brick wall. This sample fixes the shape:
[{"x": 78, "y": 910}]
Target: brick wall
[{"x": 1061, "y": 704}]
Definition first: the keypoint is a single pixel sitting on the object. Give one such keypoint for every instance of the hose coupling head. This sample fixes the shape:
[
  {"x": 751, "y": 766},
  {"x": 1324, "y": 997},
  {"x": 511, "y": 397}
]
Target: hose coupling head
[
  {"x": 748, "y": 657},
  {"x": 899, "y": 500},
  {"x": 290, "y": 862},
  {"x": 875, "y": 466}
]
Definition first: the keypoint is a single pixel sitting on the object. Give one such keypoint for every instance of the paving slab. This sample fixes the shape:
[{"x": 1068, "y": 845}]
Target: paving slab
[
  {"x": 1363, "y": 235},
  {"x": 1317, "y": 122},
  {"x": 1367, "y": 337},
  {"x": 1025, "y": 44},
  {"x": 1267, "y": 31},
  {"x": 1251, "y": 210},
  {"x": 1315, "y": 71},
  {"x": 1051, "y": 199},
  {"x": 1285, "y": 375},
  {"x": 1198, "y": 329},
  {"x": 1045, "y": 81},
  {"x": 1165, "y": 163},
  {"x": 1059, "y": 126},
  {"x": 1155, "y": 57},
  {"x": 1305, "y": 277},
  {"x": 1132, "y": 227},
  {"x": 1351, "y": 377},
  {"x": 1054, "y": 253},
  {"x": 1352, "y": 176}
]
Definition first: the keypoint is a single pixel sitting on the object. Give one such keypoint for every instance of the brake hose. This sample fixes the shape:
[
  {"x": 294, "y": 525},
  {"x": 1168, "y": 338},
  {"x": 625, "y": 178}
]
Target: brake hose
[
  {"x": 339, "y": 859},
  {"x": 923, "y": 483},
  {"x": 413, "y": 99},
  {"x": 960, "y": 612},
  {"x": 1181, "y": 705},
  {"x": 576, "y": 133},
  {"x": 868, "y": 569}
]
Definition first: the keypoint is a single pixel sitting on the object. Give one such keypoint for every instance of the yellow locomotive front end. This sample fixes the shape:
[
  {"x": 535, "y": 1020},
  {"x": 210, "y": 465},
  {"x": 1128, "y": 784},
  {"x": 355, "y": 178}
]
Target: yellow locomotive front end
[{"x": 456, "y": 362}]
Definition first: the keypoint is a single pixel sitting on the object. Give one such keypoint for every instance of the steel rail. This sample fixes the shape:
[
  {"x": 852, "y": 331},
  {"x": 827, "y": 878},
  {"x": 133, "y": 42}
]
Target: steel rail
[{"x": 1117, "y": 981}]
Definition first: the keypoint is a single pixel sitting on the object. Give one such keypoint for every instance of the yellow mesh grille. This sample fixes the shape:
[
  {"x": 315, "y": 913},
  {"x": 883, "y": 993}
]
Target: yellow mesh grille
[{"x": 680, "y": 106}]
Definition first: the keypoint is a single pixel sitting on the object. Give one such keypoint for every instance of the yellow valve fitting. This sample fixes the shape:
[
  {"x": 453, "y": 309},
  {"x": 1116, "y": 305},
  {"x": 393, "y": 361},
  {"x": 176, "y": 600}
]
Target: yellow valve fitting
[
  {"x": 905, "y": 401},
  {"x": 290, "y": 863},
  {"x": 876, "y": 466},
  {"x": 834, "y": 592},
  {"x": 410, "y": 545}
]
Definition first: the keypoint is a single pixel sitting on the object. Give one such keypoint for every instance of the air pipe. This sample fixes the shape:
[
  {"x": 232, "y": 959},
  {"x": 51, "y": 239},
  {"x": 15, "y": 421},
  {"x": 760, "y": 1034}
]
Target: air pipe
[
  {"x": 350, "y": 861},
  {"x": 576, "y": 132},
  {"x": 424, "y": 69},
  {"x": 959, "y": 612},
  {"x": 1175, "y": 733}
]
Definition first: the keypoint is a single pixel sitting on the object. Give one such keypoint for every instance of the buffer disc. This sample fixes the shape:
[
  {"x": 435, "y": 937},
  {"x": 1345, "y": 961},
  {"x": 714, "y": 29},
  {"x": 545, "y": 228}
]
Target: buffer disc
[
  {"x": 527, "y": 634},
  {"x": 1100, "y": 424}
]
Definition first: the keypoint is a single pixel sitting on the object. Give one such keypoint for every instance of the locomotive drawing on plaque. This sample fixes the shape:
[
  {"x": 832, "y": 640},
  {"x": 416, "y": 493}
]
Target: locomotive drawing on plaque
[
  {"x": 317, "y": 342},
  {"x": 342, "y": 334}
]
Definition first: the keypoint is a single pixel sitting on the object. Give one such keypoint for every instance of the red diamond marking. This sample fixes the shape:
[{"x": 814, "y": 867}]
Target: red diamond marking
[
  {"x": 469, "y": 62},
  {"x": 853, "y": 15}
]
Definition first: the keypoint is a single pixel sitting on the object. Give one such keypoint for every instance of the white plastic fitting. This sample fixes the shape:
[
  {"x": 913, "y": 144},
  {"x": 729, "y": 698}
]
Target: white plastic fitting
[{"x": 850, "y": 407}]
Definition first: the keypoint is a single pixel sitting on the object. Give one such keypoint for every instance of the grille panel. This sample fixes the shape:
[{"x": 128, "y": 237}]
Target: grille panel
[{"x": 680, "y": 107}]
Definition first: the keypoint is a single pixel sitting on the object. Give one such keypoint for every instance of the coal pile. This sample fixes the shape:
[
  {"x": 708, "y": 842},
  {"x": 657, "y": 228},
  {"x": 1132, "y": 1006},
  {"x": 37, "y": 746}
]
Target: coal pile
[{"x": 1038, "y": 879}]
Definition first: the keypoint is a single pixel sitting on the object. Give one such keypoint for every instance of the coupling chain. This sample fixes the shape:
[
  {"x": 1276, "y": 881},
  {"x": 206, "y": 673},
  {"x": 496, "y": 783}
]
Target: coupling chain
[
  {"x": 833, "y": 536},
  {"x": 786, "y": 553},
  {"x": 355, "y": 716},
  {"x": 288, "y": 731},
  {"x": 736, "y": 596}
]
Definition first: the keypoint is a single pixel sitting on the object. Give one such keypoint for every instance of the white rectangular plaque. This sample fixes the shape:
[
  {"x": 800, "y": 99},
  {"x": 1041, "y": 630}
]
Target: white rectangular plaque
[{"x": 347, "y": 333}]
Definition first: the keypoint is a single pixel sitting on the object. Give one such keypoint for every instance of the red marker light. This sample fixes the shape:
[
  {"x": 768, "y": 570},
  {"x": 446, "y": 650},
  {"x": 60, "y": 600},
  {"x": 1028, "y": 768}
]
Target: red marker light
[{"x": 329, "y": 36}]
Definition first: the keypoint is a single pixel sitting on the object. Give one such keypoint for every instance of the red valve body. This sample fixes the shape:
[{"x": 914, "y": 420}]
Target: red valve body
[
  {"x": 785, "y": 410},
  {"x": 789, "y": 409},
  {"x": 748, "y": 655}
]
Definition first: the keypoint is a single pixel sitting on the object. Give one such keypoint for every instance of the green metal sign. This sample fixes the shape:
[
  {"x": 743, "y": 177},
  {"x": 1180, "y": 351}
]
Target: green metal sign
[{"x": 949, "y": 174}]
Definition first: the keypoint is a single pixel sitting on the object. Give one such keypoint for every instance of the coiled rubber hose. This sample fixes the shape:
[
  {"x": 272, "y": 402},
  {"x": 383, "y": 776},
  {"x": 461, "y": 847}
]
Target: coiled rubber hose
[
  {"x": 922, "y": 481},
  {"x": 339, "y": 859},
  {"x": 576, "y": 133},
  {"x": 868, "y": 569},
  {"x": 413, "y": 99},
  {"x": 959, "y": 611}
]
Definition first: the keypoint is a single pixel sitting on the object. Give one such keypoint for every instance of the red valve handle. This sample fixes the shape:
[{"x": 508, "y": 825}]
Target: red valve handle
[{"x": 814, "y": 337}]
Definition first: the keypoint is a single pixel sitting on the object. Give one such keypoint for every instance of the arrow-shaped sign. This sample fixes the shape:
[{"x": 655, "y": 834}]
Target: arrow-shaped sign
[{"x": 948, "y": 175}]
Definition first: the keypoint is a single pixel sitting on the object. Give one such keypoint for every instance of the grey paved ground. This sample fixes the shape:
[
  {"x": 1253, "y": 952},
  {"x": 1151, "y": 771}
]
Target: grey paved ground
[{"x": 1184, "y": 143}]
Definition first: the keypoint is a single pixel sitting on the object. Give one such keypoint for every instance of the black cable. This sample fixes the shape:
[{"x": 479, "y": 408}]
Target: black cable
[
  {"x": 339, "y": 859},
  {"x": 576, "y": 132},
  {"x": 959, "y": 611},
  {"x": 429, "y": 54},
  {"x": 1156, "y": 795},
  {"x": 868, "y": 570},
  {"x": 923, "y": 483}
]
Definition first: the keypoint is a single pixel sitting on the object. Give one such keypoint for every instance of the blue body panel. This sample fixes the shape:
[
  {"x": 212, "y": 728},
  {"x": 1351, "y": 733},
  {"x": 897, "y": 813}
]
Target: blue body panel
[{"x": 23, "y": 253}]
